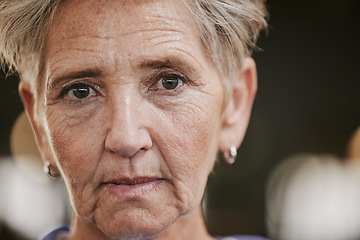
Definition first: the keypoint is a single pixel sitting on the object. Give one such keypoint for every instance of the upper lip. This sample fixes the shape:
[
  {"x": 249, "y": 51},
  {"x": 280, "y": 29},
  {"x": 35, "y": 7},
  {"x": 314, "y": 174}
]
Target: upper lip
[{"x": 132, "y": 181}]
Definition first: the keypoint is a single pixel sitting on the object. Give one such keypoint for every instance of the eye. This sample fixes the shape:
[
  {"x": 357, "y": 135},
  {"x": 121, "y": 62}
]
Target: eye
[
  {"x": 80, "y": 91},
  {"x": 169, "y": 83}
]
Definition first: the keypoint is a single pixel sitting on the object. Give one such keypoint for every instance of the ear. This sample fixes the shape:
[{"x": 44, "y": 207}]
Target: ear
[
  {"x": 31, "y": 106},
  {"x": 238, "y": 110}
]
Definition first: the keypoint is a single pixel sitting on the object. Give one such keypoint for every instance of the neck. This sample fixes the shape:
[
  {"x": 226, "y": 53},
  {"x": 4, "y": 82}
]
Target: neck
[{"x": 190, "y": 227}]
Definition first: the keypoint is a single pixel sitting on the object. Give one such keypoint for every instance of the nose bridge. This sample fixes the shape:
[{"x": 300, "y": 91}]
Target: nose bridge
[
  {"x": 126, "y": 134},
  {"x": 124, "y": 108}
]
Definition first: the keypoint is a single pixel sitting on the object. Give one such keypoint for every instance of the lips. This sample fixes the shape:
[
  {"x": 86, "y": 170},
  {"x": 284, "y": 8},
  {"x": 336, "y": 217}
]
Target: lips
[
  {"x": 133, "y": 181},
  {"x": 133, "y": 188}
]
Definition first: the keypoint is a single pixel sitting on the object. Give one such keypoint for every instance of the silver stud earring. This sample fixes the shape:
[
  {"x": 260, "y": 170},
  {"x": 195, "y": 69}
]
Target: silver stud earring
[
  {"x": 230, "y": 157},
  {"x": 50, "y": 171}
]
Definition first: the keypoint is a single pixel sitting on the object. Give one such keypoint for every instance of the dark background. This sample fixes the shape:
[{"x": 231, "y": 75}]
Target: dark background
[{"x": 308, "y": 101}]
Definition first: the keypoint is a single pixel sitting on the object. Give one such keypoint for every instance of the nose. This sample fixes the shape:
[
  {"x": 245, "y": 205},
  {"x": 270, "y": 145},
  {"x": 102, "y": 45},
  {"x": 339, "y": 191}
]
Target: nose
[{"x": 127, "y": 132}]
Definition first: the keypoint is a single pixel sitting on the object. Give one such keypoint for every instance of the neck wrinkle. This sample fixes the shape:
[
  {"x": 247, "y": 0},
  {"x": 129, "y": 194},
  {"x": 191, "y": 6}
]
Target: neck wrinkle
[
  {"x": 85, "y": 232},
  {"x": 191, "y": 227}
]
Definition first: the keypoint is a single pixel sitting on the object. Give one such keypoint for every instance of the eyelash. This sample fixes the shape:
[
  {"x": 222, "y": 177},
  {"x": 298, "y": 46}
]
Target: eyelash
[
  {"x": 151, "y": 84},
  {"x": 70, "y": 87},
  {"x": 167, "y": 73}
]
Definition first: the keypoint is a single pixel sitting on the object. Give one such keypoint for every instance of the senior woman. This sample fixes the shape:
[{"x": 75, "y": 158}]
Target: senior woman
[{"x": 130, "y": 102}]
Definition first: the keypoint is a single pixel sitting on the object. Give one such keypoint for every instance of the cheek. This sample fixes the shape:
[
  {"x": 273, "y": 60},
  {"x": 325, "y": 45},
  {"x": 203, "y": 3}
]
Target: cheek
[
  {"x": 189, "y": 145},
  {"x": 77, "y": 150},
  {"x": 194, "y": 128},
  {"x": 74, "y": 144}
]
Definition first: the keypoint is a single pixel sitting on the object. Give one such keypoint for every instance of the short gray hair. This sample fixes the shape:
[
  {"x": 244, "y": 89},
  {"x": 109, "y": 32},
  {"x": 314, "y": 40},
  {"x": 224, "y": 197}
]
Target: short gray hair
[
  {"x": 228, "y": 31},
  {"x": 23, "y": 27}
]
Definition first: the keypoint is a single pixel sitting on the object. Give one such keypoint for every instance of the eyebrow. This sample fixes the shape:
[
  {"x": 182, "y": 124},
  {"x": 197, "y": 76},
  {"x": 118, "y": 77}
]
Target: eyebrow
[
  {"x": 87, "y": 73},
  {"x": 173, "y": 62}
]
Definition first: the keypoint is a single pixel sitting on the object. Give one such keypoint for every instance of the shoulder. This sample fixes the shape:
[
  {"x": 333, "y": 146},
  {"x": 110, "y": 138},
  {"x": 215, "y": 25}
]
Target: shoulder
[
  {"x": 241, "y": 237},
  {"x": 61, "y": 233}
]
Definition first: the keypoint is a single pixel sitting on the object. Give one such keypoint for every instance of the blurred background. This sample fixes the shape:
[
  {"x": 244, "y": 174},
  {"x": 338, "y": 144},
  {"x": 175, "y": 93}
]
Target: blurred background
[{"x": 308, "y": 101}]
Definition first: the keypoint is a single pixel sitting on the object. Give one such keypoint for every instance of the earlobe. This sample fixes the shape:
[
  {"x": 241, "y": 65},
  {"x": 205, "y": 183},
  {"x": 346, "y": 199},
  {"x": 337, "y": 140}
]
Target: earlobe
[{"x": 237, "y": 113}]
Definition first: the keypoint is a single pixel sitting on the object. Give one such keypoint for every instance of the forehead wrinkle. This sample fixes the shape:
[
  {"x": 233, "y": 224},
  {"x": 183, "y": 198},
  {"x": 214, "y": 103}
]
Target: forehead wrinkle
[
  {"x": 159, "y": 20},
  {"x": 57, "y": 52},
  {"x": 142, "y": 22},
  {"x": 75, "y": 43},
  {"x": 174, "y": 20},
  {"x": 180, "y": 50},
  {"x": 118, "y": 35},
  {"x": 164, "y": 42},
  {"x": 118, "y": 58},
  {"x": 56, "y": 59},
  {"x": 170, "y": 34},
  {"x": 62, "y": 64},
  {"x": 162, "y": 23}
]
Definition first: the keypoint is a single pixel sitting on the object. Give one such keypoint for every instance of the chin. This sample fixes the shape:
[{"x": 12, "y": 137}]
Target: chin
[
  {"x": 135, "y": 232},
  {"x": 135, "y": 226}
]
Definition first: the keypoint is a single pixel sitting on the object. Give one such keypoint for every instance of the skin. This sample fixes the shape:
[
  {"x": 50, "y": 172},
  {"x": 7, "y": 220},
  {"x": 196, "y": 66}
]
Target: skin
[{"x": 130, "y": 126}]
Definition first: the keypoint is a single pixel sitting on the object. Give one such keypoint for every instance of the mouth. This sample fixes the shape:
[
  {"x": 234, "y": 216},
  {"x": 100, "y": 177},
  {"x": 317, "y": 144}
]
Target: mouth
[
  {"x": 132, "y": 188},
  {"x": 133, "y": 181}
]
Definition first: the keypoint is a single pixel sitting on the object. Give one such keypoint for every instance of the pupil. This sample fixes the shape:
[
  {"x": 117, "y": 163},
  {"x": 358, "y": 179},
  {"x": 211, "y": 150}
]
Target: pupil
[
  {"x": 170, "y": 83},
  {"x": 81, "y": 92}
]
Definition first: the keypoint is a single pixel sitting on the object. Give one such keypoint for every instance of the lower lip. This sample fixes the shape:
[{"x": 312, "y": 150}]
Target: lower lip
[{"x": 124, "y": 191}]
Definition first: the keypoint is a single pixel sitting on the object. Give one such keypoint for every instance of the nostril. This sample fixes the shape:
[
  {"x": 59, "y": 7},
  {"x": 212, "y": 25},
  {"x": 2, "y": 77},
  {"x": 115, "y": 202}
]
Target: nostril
[{"x": 127, "y": 143}]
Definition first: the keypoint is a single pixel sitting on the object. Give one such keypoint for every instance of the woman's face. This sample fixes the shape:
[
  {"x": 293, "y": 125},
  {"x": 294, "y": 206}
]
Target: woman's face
[{"x": 133, "y": 109}]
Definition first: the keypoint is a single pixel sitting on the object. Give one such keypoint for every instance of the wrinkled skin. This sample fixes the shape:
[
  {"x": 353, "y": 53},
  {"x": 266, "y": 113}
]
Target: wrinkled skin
[{"x": 130, "y": 94}]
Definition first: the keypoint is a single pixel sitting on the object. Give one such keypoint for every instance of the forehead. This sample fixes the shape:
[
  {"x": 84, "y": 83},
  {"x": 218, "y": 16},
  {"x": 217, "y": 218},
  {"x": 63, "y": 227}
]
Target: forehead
[
  {"x": 121, "y": 30},
  {"x": 111, "y": 13},
  {"x": 114, "y": 19}
]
